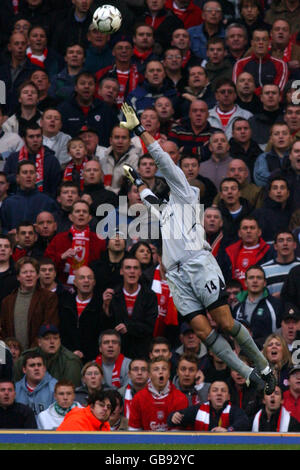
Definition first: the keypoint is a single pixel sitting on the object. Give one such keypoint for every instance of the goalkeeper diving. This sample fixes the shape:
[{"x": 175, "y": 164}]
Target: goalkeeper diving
[{"x": 194, "y": 277}]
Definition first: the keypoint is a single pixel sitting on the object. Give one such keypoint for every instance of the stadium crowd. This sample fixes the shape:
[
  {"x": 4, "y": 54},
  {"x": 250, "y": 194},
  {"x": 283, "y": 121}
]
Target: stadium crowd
[{"x": 91, "y": 338}]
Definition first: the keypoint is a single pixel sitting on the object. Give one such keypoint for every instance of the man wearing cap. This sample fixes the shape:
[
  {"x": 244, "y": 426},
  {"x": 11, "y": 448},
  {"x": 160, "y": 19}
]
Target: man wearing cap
[
  {"x": 290, "y": 324},
  {"x": 59, "y": 361},
  {"x": 291, "y": 397},
  {"x": 274, "y": 416},
  {"x": 191, "y": 344},
  {"x": 124, "y": 70}
]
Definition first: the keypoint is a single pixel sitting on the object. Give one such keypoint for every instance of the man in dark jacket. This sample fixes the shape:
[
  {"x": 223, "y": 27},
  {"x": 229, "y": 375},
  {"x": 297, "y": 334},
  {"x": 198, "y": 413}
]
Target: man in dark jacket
[
  {"x": 8, "y": 278},
  {"x": 16, "y": 61},
  {"x": 73, "y": 26},
  {"x": 163, "y": 20},
  {"x": 47, "y": 165},
  {"x": 61, "y": 363},
  {"x": 132, "y": 309},
  {"x": 107, "y": 268},
  {"x": 275, "y": 213},
  {"x": 28, "y": 201},
  {"x": 93, "y": 185},
  {"x": 261, "y": 310},
  {"x": 84, "y": 110},
  {"x": 14, "y": 415},
  {"x": 290, "y": 170},
  {"x": 216, "y": 415},
  {"x": 233, "y": 208},
  {"x": 154, "y": 86},
  {"x": 81, "y": 317}
]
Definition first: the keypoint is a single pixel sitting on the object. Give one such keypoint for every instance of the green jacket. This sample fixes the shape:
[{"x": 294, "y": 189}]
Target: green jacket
[{"x": 63, "y": 365}]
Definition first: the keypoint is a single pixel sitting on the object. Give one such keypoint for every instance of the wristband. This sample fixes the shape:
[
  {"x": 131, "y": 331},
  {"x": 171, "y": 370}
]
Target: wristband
[
  {"x": 139, "y": 182},
  {"x": 139, "y": 130}
]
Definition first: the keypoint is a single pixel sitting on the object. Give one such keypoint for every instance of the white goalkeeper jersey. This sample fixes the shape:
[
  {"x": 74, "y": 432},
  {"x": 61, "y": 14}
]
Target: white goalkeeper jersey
[{"x": 182, "y": 232}]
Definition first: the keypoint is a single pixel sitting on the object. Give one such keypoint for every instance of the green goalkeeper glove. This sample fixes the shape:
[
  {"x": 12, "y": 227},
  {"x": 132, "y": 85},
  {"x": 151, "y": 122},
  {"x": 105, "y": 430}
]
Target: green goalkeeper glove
[
  {"x": 132, "y": 122},
  {"x": 132, "y": 175}
]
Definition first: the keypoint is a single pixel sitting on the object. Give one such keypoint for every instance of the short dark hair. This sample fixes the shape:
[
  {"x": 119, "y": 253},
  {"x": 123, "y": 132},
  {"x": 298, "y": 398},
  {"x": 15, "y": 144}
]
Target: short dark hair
[
  {"x": 67, "y": 184},
  {"x": 277, "y": 178},
  {"x": 184, "y": 156},
  {"x": 32, "y": 355},
  {"x": 5, "y": 381},
  {"x": 280, "y": 232},
  {"x": 85, "y": 74},
  {"x": 101, "y": 395},
  {"x": 224, "y": 81},
  {"x": 239, "y": 119},
  {"x": 159, "y": 340},
  {"x": 25, "y": 84},
  {"x": 24, "y": 223},
  {"x": 44, "y": 261},
  {"x": 64, "y": 383},
  {"x": 229, "y": 179}
]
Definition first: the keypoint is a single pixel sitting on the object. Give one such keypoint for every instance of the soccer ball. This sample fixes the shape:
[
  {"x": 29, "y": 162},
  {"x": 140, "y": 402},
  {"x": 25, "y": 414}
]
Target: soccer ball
[{"x": 107, "y": 19}]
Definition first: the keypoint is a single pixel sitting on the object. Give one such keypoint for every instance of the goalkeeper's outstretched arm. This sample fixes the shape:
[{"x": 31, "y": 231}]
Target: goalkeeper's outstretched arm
[{"x": 173, "y": 174}]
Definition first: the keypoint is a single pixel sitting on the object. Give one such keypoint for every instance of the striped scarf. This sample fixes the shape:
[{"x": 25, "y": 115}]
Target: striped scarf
[
  {"x": 127, "y": 401},
  {"x": 203, "y": 417},
  {"x": 81, "y": 244},
  {"x": 116, "y": 373},
  {"x": 37, "y": 60},
  {"x": 74, "y": 172},
  {"x": 282, "y": 423}
]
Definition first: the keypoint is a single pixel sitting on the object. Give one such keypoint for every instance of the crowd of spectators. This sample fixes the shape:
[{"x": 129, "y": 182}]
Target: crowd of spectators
[{"x": 90, "y": 336}]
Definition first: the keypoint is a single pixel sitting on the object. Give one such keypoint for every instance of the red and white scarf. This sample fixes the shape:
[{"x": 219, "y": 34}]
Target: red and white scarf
[
  {"x": 127, "y": 401},
  {"x": 167, "y": 313},
  {"x": 203, "y": 417},
  {"x": 116, "y": 373},
  {"x": 39, "y": 165},
  {"x": 37, "y": 59},
  {"x": 71, "y": 167},
  {"x": 81, "y": 244},
  {"x": 282, "y": 423}
]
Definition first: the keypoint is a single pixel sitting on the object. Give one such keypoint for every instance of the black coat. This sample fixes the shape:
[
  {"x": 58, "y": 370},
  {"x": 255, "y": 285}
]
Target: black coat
[
  {"x": 272, "y": 218},
  {"x": 290, "y": 291},
  {"x": 100, "y": 195},
  {"x": 230, "y": 224},
  {"x": 101, "y": 116},
  {"x": 107, "y": 274},
  {"x": 140, "y": 325},
  {"x": 82, "y": 333},
  {"x": 17, "y": 416},
  {"x": 238, "y": 419}
]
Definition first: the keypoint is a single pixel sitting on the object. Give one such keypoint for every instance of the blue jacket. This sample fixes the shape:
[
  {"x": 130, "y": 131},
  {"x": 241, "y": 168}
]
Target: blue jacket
[
  {"x": 145, "y": 95},
  {"x": 199, "y": 40},
  {"x": 101, "y": 117},
  {"x": 96, "y": 60},
  {"x": 24, "y": 205},
  {"x": 265, "y": 164},
  {"x": 52, "y": 171},
  {"x": 41, "y": 397}
]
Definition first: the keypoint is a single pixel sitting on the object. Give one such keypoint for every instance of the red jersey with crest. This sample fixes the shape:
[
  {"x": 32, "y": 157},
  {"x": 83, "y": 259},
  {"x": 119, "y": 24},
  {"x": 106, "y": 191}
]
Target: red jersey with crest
[{"x": 149, "y": 412}]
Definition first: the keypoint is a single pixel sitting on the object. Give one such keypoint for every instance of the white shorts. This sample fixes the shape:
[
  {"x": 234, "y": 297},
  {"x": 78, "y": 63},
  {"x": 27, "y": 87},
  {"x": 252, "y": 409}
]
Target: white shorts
[{"x": 197, "y": 284}]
